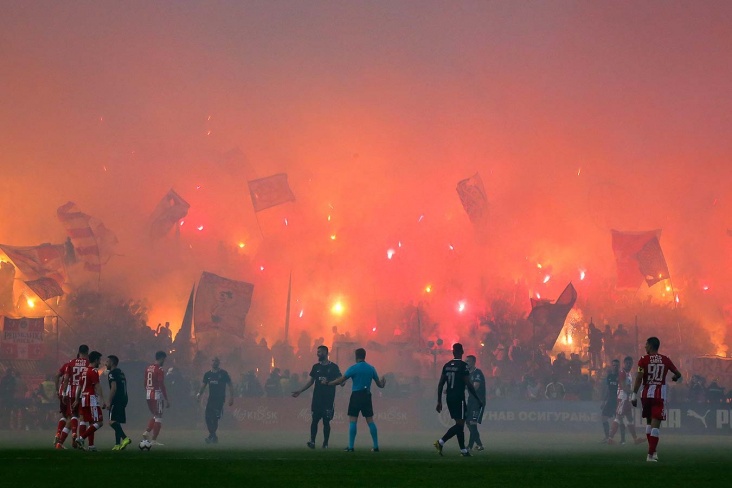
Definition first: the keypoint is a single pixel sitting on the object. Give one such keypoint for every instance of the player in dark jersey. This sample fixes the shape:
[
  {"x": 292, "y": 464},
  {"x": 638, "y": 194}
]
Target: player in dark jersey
[
  {"x": 652, "y": 371},
  {"x": 475, "y": 410},
  {"x": 610, "y": 398},
  {"x": 217, "y": 380},
  {"x": 457, "y": 377},
  {"x": 322, "y": 406},
  {"x": 117, "y": 402}
]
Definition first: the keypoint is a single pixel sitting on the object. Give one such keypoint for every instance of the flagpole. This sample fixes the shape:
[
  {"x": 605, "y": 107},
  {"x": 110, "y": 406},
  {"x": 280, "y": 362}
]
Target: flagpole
[
  {"x": 287, "y": 312},
  {"x": 256, "y": 217}
]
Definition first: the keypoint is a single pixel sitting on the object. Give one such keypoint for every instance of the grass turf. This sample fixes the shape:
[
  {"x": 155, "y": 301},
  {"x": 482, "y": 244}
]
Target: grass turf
[{"x": 526, "y": 460}]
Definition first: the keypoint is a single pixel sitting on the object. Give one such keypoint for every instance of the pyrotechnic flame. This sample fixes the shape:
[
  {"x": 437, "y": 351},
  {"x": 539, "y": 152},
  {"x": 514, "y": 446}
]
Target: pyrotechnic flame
[
  {"x": 301, "y": 312},
  {"x": 373, "y": 330},
  {"x": 582, "y": 274},
  {"x": 328, "y": 218},
  {"x": 200, "y": 227},
  {"x": 30, "y": 302},
  {"x": 390, "y": 253},
  {"x": 451, "y": 247},
  {"x": 337, "y": 308},
  {"x": 332, "y": 237},
  {"x": 261, "y": 268},
  {"x": 461, "y": 306},
  {"x": 285, "y": 222},
  {"x": 547, "y": 278},
  {"x": 428, "y": 288},
  {"x": 241, "y": 245},
  {"x": 182, "y": 222},
  {"x": 399, "y": 244},
  {"x": 705, "y": 287},
  {"x": 538, "y": 265}
]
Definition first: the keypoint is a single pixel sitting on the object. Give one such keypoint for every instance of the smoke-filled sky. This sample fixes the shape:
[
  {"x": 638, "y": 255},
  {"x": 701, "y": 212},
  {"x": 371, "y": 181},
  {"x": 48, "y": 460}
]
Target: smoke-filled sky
[{"x": 580, "y": 117}]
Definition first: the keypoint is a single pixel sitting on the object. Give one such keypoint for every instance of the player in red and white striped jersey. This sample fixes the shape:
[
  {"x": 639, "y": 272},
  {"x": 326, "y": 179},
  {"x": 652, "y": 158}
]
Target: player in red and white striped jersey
[
  {"x": 91, "y": 400},
  {"x": 156, "y": 396},
  {"x": 72, "y": 372},
  {"x": 652, "y": 371}
]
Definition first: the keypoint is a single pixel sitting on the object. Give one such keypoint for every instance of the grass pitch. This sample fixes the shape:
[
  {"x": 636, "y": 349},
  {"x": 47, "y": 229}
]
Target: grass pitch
[{"x": 281, "y": 460}]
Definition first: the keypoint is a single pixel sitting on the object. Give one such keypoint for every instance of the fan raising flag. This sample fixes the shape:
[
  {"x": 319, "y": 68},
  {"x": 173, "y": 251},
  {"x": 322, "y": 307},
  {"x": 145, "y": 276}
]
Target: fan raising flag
[
  {"x": 167, "y": 213},
  {"x": 270, "y": 191},
  {"x": 548, "y": 318},
  {"x": 639, "y": 257},
  {"x": 472, "y": 195},
  {"x": 92, "y": 241}
]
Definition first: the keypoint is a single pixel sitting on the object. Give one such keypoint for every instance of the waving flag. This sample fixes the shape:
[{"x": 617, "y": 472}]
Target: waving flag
[
  {"x": 167, "y": 213},
  {"x": 44, "y": 261},
  {"x": 639, "y": 257},
  {"x": 548, "y": 318},
  {"x": 221, "y": 304},
  {"x": 270, "y": 191},
  {"x": 92, "y": 241},
  {"x": 472, "y": 196},
  {"x": 45, "y": 288}
]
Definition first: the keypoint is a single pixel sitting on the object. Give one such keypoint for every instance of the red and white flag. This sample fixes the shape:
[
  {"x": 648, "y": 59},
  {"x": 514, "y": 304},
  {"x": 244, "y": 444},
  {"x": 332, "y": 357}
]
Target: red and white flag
[
  {"x": 93, "y": 242},
  {"x": 167, "y": 213},
  {"x": 270, "y": 191},
  {"x": 45, "y": 288},
  {"x": 44, "y": 261}
]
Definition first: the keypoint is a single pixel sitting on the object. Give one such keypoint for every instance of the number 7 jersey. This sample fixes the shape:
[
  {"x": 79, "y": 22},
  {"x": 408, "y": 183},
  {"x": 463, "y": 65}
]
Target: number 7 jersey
[{"x": 654, "y": 368}]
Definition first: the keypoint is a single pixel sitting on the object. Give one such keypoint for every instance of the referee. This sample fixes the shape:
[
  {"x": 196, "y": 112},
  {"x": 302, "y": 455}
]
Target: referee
[{"x": 217, "y": 380}]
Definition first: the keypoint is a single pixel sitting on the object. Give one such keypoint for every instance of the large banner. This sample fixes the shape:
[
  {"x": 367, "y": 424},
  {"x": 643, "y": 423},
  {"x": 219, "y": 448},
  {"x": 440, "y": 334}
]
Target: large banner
[
  {"x": 270, "y": 191},
  {"x": 221, "y": 304},
  {"x": 22, "y": 339}
]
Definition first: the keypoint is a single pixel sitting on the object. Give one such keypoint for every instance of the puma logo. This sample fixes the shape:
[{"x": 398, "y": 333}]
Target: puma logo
[{"x": 702, "y": 418}]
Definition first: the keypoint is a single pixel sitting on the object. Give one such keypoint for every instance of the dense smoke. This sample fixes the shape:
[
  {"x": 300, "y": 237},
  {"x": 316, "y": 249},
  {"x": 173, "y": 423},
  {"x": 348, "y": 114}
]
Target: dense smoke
[{"x": 579, "y": 119}]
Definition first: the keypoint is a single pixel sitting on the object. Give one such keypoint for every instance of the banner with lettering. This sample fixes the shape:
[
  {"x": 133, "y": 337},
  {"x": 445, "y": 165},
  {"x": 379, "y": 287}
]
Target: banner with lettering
[{"x": 22, "y": 338}]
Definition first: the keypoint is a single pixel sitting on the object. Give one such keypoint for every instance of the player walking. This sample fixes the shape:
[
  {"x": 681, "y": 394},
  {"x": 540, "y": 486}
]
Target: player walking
[
  {"x": 217, "y": 380},
  {"x": 610, "y": 402},
  {"x": 623, "y": 411},
  {"x": 117, "y": 403},
  {"x": 455, "y": 373},
  {"x": 652, "y": 371},
  {"x": 91, "y": 399},
  {"x": 69, "y": 386},
  {"x": 475, "y": 408},
  {"x": 156, "y": 396}
]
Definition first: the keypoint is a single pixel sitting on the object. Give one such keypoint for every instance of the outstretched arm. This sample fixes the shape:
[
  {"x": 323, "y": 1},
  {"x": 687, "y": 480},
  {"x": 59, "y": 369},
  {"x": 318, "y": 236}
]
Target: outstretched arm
[
  {"x": 336, "y": 382},
  {"x": 310, "y": 382}
]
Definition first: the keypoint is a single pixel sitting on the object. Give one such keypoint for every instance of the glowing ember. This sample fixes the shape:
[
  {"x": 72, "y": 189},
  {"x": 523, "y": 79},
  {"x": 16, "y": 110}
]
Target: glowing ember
[
  {"x": 182, "y": 222},
  {"x": 241, "y": 245},
  {"x": 538, "y": 265},
  {"x": 261, "y": 268},
  {"x": 328, "y": 218},
  {"x": 420, "y": 218},
  {"x": 428, "y": 288},
  {"x": 373, "y": 330},
  {"x": 461, "y": 306},
  {"x": 332, "y": 237},
  {"x": 301, "y": 312},
  {"x": 399, "y": 244},
  {"x": 451, "y": 247},
  {"x": 285, "y": 222},
  {"x": 390, "y": 253},
  {"x": 200, "y": 227},
  {"x": 30, "y": 302},
  {"x": 547, "y": 278},
  {"x": 705, "y": 287},
  {"x": 582, "y": 274}
]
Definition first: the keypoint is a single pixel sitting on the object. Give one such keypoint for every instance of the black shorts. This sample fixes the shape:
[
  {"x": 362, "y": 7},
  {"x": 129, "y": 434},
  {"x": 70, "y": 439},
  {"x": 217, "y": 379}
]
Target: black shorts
[
  {"x": 322, "y": 412},
  {"x": 360, "y": 402},
  {"x": 608, "y": 410},
  {"x": 117, "y": 413},
  {"x": 214, "y": 410},
  {"x": 475, "y": 411},
  {"x": 457, "y": 408}
]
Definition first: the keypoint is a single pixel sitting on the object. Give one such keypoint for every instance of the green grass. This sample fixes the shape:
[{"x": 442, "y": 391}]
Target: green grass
[{"x": 525, "y": 460}]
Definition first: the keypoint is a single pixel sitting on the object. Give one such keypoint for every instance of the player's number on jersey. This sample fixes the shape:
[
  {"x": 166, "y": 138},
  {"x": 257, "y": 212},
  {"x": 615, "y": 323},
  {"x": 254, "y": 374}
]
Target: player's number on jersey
[
  {"x": 450, "y": 380},
  {"x": 656, "y": 372},
  {"x": 149, "y": 379},
  {"x": 76, "y": 378}
]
